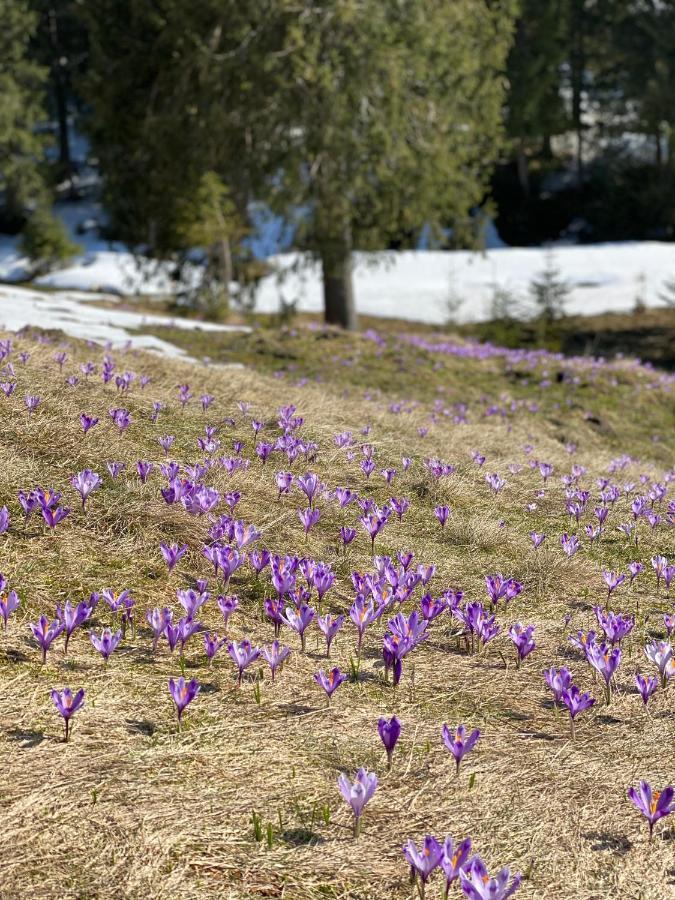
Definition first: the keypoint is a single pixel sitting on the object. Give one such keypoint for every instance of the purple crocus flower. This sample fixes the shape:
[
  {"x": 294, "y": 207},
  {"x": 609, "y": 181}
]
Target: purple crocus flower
[
  {"x": 299, "y": 620},
  {"x": 423, "y": 861},
  {"x": 330, "y": 626},
  {"x": 88, "y": 422},
  {"x": 309, "y": 485},
  {"x": 537, "y": 539},
  {"x": 389, "y": 731},
  {"x": 653, "y": 805},
  {"x": 54, "y": 514},
  {"x": 362, "y": 613},
  {"x": 569, "y": 543},
  {"x": 246, "y": 534},
  {"x": 309, "y": 517},
  {"x": 67, "y": 704},
  {"x": 191, "y": 601},
  {"x": 358, "y": 793},
  {"x": 615, "y": 626},
  {"x": 477, "y": 884},
  {"x": 347, "y": 535},
  {"x": 144, "y": 469},
  {"x": 85, "y": 483},
  {"x": 457, "y": 742},
  {"x": 182, "y": 694},
  {"x": 605, "y": 661},
  {"x": 523, "y": 640},
  {"x": 558, "y": 680},
  {"x": 172, "y": 553},
  {"x": 576, "y": 703},
  {"x": 32, "y": 402},
  {"x": 613, "y": 580},
  {"x": 330, "y": 682},
  {"x": 259, "y": 559},
  {"x": 158, "y": 619},
  {"x": 660, "y": 653},
  {"x": 107, "y": 643},
  {"x": 227, "y": 605},
  {"x": 454, "y": 860},
  {"x": 115, "y": 468},
  {"x": 275, "y": 655},
  {"x": 9, "y": 603},
  {"x": 72, "y": 617},
  {"x": 121, "y": 419},
  {"x": 243, "y": 655},
  {"x": 646, "y": 686},
  {"x": 442, "y": 513},
  {"x": 4, "y": 519},
  {"x": 212, "y": 644},
  {"x": 283, "y": 481}
]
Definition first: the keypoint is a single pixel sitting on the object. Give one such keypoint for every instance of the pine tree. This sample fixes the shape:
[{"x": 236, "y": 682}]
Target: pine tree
[
  {"x": 370, "y": 118},
  {"x": 549, "y": 292},
  {"x": 21, "y": 90}
]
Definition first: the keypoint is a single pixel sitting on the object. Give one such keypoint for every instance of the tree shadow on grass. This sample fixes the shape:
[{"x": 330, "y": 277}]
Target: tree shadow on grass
[
  {"x": 300, "y": 837},
  {"x": 140, "y": 726},
  {"x": 26, "y": 738},
  {"x": 604, "y": 840}
]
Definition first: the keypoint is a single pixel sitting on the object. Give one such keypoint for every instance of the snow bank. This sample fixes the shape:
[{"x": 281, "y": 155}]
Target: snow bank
[
  {"x": 73, "y": 314},
  {"x": 416, "y": 285}
]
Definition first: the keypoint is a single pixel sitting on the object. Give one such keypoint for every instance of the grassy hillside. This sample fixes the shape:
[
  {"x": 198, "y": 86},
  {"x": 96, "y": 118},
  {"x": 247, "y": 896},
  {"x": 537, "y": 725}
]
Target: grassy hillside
[{"x": 243, "y": 801}]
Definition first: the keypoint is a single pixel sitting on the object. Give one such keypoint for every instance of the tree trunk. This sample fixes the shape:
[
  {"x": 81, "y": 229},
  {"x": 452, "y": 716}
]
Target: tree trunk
[
  {"x": 338, "y": 287},
  {"x": 523, "y": 170},
  {"x": 60, "y": 94}
]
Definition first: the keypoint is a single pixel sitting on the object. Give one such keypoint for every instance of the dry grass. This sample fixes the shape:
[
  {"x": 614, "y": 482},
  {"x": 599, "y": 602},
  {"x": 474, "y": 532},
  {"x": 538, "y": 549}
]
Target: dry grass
[{"x": 130, "y": 808}]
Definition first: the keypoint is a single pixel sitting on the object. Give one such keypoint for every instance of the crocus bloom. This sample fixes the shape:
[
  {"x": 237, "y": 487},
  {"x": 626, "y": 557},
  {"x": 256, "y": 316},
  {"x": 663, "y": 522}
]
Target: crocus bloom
[
  {"x": 358, "y": 793},
  {"x": 309, "y": 517},
  {"x": 54, "y": 515},
  {"x": 9, "y": 603},
  {"x": 570, "y": 544},
  {"x": 182, "y": 694},
  {"x": 158, "y": 619},
  {"x": 107, "y": 643},
  {"x": 227, "y": 606},
  {"x": 121, "y": 419},
  {"x": 275, "y": 655},
  {"x": 613, "y": 580},
  {"x": 144, "y": 469},
  {"x": 67, "y": 704},
  {"x": 309, "y": 485},
  {"x": 32, "y": 402},
  {"x": 576, "y": 703},
  {"x": 330, "y": 626},
  {"x": 299, "y": 620},
  {"x": 442, "y": 513},
  {"x": 454, "y": 860},
  {"x": 646, "y": 686},
  {"x": 477, "y": 884},
  {"x": 605, "y": 661},
  {"x": 457, "y": 742},
  {"x": 389, "y": 731},
  {"x": 347, "y": 535},
  {"x": 172, "y": 553},
  {"x": 423, "y": 861},
  {"x": 4, "y": 519},
  {"x": 72, "y": 617},
  {"x": 660, "y": 653},
  {"x": 331, "y": 682},
  {"x": 85, "y": 483},
  {"x": 212, "y": 645},
  {"x": 654, "y": 805},
  {"x": 88, "y": 422},
  {"x": 537, "y": 539},
  {"x": 243, "y": 655},
  {"x": 115, "y": 468},
  {"x": 523, "y": 640},
  {"x": 558, "y": 680},
  {"x": 659, "y": 563}
]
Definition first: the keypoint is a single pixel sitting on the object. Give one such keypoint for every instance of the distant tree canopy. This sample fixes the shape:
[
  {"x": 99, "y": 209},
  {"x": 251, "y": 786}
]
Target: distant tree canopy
[
  {"x": 371, "y": 118},
  {"x": 359, "y": 122},
  {"x": 21, "y": 111}
]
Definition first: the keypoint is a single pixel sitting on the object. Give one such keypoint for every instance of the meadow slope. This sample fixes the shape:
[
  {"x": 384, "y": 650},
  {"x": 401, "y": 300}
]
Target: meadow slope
[{"x": 130, "y": 807}]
